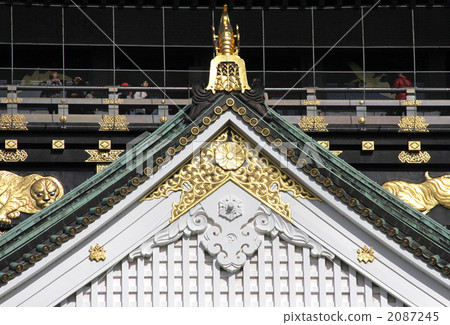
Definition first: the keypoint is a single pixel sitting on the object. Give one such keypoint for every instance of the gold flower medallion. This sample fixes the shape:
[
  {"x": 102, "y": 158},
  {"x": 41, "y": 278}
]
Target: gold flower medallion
[{"x": 230, "y": 156}]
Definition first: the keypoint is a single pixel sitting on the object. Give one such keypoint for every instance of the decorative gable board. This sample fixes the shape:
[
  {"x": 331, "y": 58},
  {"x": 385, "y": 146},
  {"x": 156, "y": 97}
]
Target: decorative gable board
[
  {"x": 131, "y": 223},
  {"x": 278, "y": 275}
]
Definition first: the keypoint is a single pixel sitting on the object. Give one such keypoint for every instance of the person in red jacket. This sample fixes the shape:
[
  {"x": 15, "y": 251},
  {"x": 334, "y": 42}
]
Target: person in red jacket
[{"x": 401, "y": 82}]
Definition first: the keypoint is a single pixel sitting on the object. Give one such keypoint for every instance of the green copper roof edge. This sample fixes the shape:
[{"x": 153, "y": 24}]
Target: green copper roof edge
[
  {"x": 418, "y": 218},
  {"x": 73, "y": 197}
]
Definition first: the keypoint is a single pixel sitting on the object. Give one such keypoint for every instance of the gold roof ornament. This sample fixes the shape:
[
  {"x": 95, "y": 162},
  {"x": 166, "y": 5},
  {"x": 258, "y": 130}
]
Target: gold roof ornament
[{"x": 227, "y": 71}]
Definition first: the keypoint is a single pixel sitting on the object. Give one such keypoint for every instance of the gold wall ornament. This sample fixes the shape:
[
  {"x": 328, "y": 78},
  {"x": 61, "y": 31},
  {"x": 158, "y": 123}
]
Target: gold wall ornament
[
  {"x": 58, "y": 144},
  {"x": 424, "y": 196},
  {"x": 97, "y": 253},
  {"x": 227, "y": 70},
  {"x": 368, "y": 145},
  {"x": 13, "y": 155},
  {"x": 28, "y": 194},
  {"x": 113, "y": 101},
  {"x": 311, "y": 102},
  {"x": 101, "y": 156},
  {"x": 10, "y": 144},
  {"x": 413, "y": 124},
  {"x": 365, "y": 254},
  {"x": 313, "y": 124},
  {"x": 13, "y": 122},
  {"x": 229, "y": 157},
  {"x": 11, "y": 100},
  {"x": 104, "y": 144},
  {"x": 414, "y": 157},
  {"x": 336, "y": 152},
  {"x": 411, "y": 102},
  {"x": 100, "y": 167},
  {"x": 114, "y": 123},
  {"x": 414, "y": 145},
  {"x": 325, "y": 144}
]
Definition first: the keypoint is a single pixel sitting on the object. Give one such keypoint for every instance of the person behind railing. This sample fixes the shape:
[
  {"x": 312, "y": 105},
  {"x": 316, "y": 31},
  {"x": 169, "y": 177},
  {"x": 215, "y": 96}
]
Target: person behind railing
[
  {"x": 401, "y": 82},
  {"x": 141, "y": 94},
  {"x": 125, "y": 94},
  {"x": 53, "y": 80},
  {"x": 77, "y": 93}
]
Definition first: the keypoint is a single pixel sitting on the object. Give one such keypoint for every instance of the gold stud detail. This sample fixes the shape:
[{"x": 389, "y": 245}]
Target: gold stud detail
[
  {"x": 368, "y": 145},
  {"x": 265, "y": 132},
  {"x": 414, "y": 145},
  {"x": 218, "y": 110},
  {"x": 362, "y": 120},
  {"x": 207, "y": 120},
  {"x": 183, "y": 141},
  {"x": 58, "y": 144},
  {"x": 229, "y": 102},
  {"x": 195, "y": 130},
  {"x": 63, "y": 118},
  {"x": 242, "y": 111},
  {"x": 253, "y": 121},
  {"x": 325, "y": 144},
  {"x": 10, "y": 144},
  {"x": 163, "y": 119},
  {"x": 104, "y": 144}
]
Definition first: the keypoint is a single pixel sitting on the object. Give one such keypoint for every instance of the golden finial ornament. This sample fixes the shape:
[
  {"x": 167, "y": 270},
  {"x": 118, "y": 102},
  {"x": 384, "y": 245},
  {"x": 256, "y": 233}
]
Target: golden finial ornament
[
  {"x": 227, "y": 71},
  {"x": 63, "y": 118}
]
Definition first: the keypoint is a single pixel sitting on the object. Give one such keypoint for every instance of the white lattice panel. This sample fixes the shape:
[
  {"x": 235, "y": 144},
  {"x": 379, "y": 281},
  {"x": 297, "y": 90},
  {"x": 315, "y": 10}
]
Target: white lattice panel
[{"x": 280, "y": 274}]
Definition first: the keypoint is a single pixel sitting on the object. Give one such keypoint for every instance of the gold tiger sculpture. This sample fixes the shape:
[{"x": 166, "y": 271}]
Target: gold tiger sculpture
[
  {"x": 28, "y": 194},
  {"x": 424, "y": 196}
]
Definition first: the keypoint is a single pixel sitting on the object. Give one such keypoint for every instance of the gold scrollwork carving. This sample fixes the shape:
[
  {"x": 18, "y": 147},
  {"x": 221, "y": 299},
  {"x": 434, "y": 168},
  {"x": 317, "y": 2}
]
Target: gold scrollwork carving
[
  {"x": 27, "y": 194},
  {"x": 97, "y": 253},
  {"x": 100, "y": 156},
  {"x": 411, "y": 102},
  {"x": 13, "y": 122},
  {"x": 12, "y": 100},
  {"x": 113, "y": 101},
  {"x": 413, "y": 124},
  {"x": 311, "y": 102},
  {"x": 13, "y": 155},
  {"x": 313, "y": 124},
  {"x": 114, "y": 123},
  {"x": 229, "y": 158},
  {"x": 365, "y": 254},
  {"x": 424, "y": 196},
  {"x": 414, "y": 157}
]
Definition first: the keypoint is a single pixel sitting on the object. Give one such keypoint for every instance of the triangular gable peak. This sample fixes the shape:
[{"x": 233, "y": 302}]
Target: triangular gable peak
[{"x": 128, "y": 226}]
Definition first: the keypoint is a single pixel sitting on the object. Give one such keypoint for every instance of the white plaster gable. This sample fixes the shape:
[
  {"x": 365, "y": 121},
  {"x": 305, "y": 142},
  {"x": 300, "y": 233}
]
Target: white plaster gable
[{"x": 131, "y": 223}]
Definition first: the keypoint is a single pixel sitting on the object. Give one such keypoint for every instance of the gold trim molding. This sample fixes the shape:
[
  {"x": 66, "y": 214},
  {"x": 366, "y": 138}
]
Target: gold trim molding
[
  {"x": 365, "y": 254},
  {"x": 411, "y": 102},
  {"x": 229, "y": 157},
  {"x": 113, "y": 101},
  {"x": 101, "y": 156},
  {"x": 368, "y": 145},
  {"x": 97, "y": 253},
  {"x": 114, "y": 123},
  {"x": 311, "y": 102},
  {"x": 12, "y": 100},
  {"x": 13, "y": 122},
  {"x": 13, "y": 155},
  {"x": 58, "y": 144},
  {"x": 413, "y": 124},
  {"x": 417, "y": 157},
  {"x": 313, "y": 124}
]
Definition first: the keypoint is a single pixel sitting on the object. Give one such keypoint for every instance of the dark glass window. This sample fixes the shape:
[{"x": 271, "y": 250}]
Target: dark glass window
[
  {"x": 188, "y": 27},
  {"x": 37, "y": 24},
  {"x": 388, "y": 27},
  {"x": 139, "y": 26},
  {"x": 5, "y": 23},
  {"x": 81, "y": 30},
  {"x": 432, "y": 26},
  {"x": 331, "y": 25},
  {"x": 287, "y": 27}
]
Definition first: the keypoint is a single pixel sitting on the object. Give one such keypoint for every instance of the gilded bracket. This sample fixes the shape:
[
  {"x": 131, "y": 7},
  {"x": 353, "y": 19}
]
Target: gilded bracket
[{"x": 13, "y": 122}]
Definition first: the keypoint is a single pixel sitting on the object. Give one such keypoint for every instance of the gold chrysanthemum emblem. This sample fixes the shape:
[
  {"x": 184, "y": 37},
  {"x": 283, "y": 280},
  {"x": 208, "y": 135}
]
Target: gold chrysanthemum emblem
[{"x": 230, "y": 156}]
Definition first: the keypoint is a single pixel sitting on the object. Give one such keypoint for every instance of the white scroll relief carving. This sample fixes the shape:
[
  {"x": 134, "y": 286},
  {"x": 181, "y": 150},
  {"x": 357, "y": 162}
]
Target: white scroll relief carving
[
  {"x": 270, "y": 223},
  {"x": 231, "y": 241},
  {"x": 187, "y": 224}
]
